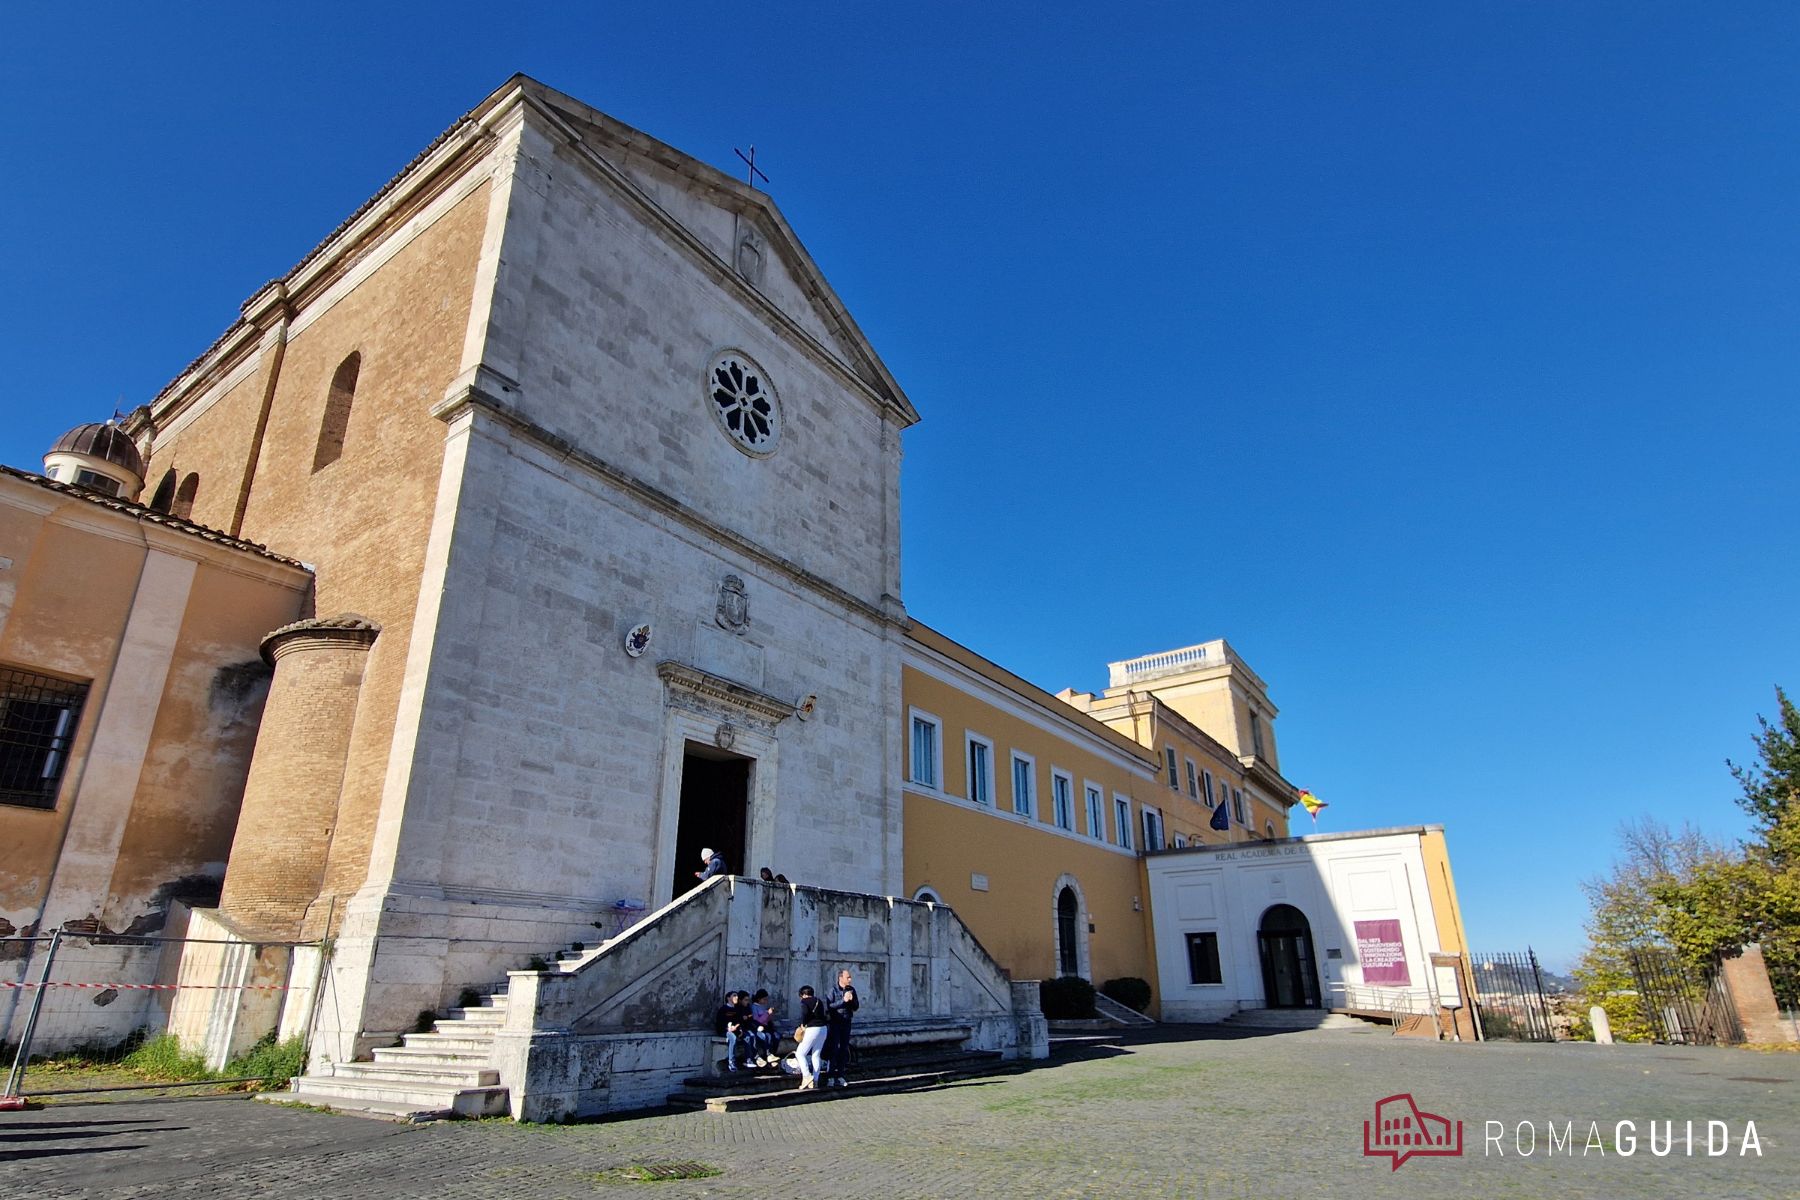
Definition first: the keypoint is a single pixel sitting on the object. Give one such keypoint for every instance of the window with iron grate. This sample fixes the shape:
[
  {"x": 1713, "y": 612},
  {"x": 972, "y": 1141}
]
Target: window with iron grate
[{"x": 38, "y": 718}]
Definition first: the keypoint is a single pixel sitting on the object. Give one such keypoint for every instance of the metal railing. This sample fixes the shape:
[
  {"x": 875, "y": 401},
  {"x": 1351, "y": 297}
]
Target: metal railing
[
  {"x": 1509, "y": 997},
  {"x": 1683, "y": 1006},
  {"x": 1398, "y": 1004},
  {"x": 100, "y": 1012}
]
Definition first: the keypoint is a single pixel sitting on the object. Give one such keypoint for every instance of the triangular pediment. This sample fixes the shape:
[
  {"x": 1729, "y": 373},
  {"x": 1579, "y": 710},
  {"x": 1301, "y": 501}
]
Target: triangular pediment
[{"x": 740, "y": 228}]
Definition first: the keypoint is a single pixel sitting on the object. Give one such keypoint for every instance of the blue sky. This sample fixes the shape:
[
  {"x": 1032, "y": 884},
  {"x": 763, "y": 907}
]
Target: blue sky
[{"x": 1441, "y": 357}]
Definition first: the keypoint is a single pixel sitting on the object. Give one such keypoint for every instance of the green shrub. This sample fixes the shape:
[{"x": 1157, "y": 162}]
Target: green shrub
[
  {"x": 274, "y": 1062},
  {"x": 1070, "y": 998},
  {"x": 162, "y": 1057},
  {"x": 1130, "y": 991}
]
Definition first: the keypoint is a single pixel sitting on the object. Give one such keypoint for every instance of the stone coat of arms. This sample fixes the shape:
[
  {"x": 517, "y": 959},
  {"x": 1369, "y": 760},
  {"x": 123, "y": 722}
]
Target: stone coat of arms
[{"x": 733, "y": 612}]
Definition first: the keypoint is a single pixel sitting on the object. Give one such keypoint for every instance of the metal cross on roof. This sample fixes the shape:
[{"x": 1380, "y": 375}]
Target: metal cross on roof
[{"x": 752, "y": 173}]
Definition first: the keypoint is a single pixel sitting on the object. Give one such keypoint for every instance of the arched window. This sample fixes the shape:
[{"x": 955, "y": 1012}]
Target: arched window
[
  {"x": 337, "y": 412},
  {"x": 926, "y": 895},
  {"x": 1068, "y": 911},
  {"x": 165, "y": 493},
  {"x": 184, "y": 497},
  {"x": 1069, "y": 916}
]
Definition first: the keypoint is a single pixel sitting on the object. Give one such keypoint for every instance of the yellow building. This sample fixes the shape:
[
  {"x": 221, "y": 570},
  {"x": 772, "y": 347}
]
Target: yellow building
[{"x": 1028, "y": 813}]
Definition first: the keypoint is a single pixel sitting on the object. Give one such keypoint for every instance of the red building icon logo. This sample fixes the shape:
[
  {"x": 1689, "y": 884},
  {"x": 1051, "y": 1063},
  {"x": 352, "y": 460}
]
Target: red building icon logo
[{"x": 1400, "y": 1131}]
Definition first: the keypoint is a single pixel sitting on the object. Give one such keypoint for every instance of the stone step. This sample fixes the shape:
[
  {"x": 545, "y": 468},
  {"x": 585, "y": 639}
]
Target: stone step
[
  {"x": 458, "y": 1075},
  {"x": 763, "y": 1079},
  {"x": 422, "y": 1100},
  {"x": 460, "y": 1040},
  {"x": 788, "y": 1092},
  {"x": 1291, "y": 1018},
  {"x": 473, "y": 1016},
  {"x": 448, "y": 1058}
]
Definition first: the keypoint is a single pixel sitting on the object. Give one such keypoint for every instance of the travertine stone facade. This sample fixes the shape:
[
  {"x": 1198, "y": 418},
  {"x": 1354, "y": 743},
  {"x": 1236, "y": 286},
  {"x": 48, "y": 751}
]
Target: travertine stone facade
[{"x": 530, "y": 469}]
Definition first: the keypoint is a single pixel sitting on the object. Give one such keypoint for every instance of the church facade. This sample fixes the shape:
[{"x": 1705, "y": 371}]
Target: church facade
[
  {"x": 609, "y": 481},
  {"x": 591, "y": 486}
]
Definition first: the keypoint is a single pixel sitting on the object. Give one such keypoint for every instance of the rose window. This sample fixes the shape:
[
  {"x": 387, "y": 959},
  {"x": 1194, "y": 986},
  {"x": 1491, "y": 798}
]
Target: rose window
[{"x": 740, "y": 396}]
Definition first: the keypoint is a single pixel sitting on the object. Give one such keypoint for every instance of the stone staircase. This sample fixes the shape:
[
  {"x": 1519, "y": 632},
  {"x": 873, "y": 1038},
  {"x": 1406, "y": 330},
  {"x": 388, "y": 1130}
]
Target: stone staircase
[
  {"x": 444, "y": 1074},
  {"x": 1280, "y": 1019},
  {"x": 429, "y": 1076},
  {"x": 622, "y": 1025}
]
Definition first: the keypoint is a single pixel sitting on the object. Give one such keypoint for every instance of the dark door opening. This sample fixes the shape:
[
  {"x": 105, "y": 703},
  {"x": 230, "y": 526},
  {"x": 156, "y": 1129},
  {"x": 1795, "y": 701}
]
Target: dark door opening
[
  {"x": 715, "y": 803},
  {"x": 1284, "y": 940},
  {"x": 1068, "y": 910}
]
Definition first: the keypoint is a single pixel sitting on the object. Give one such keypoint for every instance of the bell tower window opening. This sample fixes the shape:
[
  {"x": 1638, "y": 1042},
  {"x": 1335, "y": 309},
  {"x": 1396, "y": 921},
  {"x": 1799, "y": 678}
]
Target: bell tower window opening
[
  {"x": 165, "y": 493},
  {"x": 336, "y": 421},
  {"x": 184, "y": 497}
]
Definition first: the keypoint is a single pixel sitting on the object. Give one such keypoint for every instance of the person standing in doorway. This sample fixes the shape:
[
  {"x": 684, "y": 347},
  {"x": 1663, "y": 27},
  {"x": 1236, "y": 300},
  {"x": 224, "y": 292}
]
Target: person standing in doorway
[
  {"x": 810, "y": 1034},
  {"x": 840, "y": 1010},
  {"x": 715, "y": 864}
]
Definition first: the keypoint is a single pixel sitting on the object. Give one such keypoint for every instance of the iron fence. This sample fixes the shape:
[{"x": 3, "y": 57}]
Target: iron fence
[
  {"x": 97, "y": 1012},
  {"x": 1510, "y": 1001},
  {"x": 1684, "y": 1006}
]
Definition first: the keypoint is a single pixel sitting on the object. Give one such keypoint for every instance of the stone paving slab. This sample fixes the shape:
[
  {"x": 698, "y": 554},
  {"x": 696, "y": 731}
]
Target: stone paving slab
[{"x": 1175, "y": 1113}]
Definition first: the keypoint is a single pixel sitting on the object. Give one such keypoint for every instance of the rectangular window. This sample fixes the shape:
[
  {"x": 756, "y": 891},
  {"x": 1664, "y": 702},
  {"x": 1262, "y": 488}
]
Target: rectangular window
[
  {"x": 1237, "y": 804},
  {"x": 1180, "y": 842},
  {"x": 1023, "y": 768},
  {"x": 1169, "y": 757},
  {"x": 38, "y": 716},
  {"x": 981, "y": 770},
  {"x": 1122, "y": 820},
  {"x": 1193, "y": 783},
  {"x": 1203, "y": 958},
  {"x": 927, "y": 756},
  {"x": 1206, "y": 791},
  {"x": 1153, "y": 834},
  {"x": 1062, "y": 796},
  {"x": 95, "y": 481},
  {"x": 1096, "y": 806},
  {"x": 1256, "y": 745}
]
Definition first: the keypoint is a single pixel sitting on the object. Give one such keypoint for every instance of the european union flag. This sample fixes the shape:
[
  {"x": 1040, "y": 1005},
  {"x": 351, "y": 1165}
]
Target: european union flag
[{"x": 1221, "y": 817}]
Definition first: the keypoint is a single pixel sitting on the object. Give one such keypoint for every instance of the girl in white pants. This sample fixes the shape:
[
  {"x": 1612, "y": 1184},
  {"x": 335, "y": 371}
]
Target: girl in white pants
[{"x": 811, "y": 1038}]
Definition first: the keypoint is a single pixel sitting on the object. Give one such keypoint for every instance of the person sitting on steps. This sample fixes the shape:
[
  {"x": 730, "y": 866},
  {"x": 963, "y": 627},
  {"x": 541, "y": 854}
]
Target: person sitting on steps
[
  {"x": 732, "y": 1021},
  {"x": 762, "y": 1029}
]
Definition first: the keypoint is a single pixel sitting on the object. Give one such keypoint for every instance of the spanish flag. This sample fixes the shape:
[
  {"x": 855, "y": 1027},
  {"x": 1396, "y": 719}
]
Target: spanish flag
[{"x": 1311, "y": 803}]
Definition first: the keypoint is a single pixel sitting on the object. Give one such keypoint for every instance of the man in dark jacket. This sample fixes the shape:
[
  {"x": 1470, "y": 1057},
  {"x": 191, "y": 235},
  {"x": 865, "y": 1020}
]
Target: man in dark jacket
[
  {"x": 840, "y": 1007},
  {"x": 733, "y": 1020}
]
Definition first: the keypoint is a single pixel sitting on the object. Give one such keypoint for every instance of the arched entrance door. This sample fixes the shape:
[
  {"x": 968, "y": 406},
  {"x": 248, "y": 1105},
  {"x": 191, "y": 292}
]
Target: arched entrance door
[
  {"x": 1068, "y": 913},
  {"x": 1284, "y": 939}
]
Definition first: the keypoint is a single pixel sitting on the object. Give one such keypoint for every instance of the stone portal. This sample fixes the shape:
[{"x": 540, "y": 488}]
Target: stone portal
[{"x": 715, "y": 801}]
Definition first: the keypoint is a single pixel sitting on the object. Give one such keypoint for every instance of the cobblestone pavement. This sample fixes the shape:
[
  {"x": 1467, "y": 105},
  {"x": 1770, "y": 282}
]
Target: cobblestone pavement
[{"x": 1186, "y": 1113}]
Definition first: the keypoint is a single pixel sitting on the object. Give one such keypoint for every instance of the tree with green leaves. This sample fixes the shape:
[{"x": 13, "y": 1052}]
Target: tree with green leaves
[
  {"x": 1752, "y": 896},
  {"x": 1625, "y": 916}
]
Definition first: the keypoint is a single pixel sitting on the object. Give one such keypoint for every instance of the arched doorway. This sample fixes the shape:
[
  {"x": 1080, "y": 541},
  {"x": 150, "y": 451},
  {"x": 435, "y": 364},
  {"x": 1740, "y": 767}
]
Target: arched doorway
[
  {"x": 1284, "y": 941},
  {"x": 1068, "y": 922}
]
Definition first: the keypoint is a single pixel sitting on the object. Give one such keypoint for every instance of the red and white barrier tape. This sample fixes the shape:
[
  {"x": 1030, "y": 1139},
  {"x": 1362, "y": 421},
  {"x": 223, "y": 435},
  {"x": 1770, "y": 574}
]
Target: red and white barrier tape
[{"x": 160, "y": 987}]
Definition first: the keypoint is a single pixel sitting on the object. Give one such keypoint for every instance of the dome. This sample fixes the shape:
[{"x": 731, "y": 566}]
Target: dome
[{"x": 103, "y": 440}]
